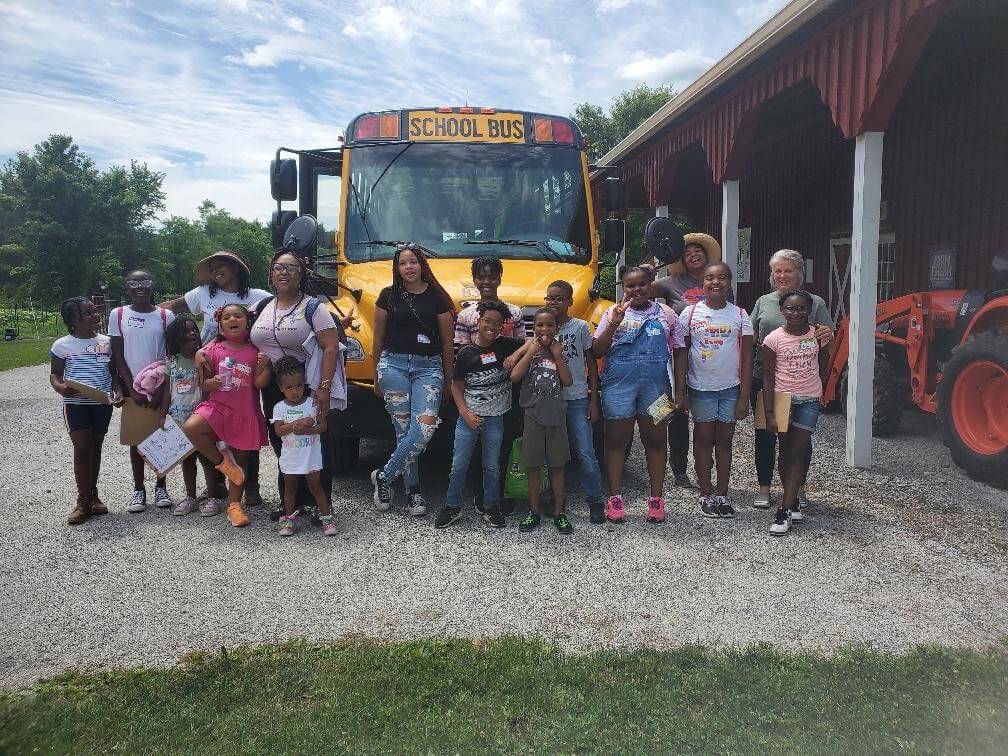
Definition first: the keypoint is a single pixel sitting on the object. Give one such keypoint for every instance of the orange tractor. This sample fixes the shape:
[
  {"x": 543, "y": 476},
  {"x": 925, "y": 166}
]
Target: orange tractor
[{"x": 947, "y": 353}]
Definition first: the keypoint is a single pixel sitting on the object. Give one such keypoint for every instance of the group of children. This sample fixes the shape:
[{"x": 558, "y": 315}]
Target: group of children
[
  {"x": 158, "y": 361},
  {"x": 653, "y": 362}
]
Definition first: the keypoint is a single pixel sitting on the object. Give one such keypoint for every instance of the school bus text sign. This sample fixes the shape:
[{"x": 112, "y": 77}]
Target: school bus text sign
[{"x": 430, "y": 126}]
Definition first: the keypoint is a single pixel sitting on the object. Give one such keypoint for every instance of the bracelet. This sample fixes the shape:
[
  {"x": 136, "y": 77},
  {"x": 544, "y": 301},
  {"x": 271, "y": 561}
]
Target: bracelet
[{"x": 326, "y": 384}]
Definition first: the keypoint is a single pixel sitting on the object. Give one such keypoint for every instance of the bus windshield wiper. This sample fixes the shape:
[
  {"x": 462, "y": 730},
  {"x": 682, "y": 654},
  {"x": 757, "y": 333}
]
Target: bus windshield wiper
[
  {"x": 384, "y": 243},
  {"x": 520, "y": 243}
]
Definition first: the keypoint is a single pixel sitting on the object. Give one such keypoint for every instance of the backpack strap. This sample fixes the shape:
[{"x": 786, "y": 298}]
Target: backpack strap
[
  {"x": 164, "y": 320},
  {"x": 309, "y": 311},
  {"x": 119, "y": 320}
]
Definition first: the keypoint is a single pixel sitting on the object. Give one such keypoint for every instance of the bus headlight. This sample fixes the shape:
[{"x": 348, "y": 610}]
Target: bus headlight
[{"x": 354, "y": 351}]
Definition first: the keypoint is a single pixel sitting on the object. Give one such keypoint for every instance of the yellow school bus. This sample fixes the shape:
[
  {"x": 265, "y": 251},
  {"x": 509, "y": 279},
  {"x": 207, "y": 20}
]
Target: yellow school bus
[{"x": 463, "y": 182}]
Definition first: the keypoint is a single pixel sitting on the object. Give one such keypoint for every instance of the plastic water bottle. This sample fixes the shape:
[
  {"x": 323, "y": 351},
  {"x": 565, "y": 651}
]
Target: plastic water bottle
[{"x": 226, "y": 373}]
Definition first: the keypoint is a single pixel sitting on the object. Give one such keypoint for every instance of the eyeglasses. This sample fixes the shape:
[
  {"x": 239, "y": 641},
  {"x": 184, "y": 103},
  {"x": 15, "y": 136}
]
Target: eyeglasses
[
  {"x": 139, "y": 283},
  {"x": 559, "y": 298},
  {"x": 286, "y": 268}
]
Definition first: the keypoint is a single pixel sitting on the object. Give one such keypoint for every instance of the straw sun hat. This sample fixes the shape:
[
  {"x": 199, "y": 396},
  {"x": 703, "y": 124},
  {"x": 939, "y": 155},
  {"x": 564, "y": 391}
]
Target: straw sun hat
[
  {"x": 710, "y": 245},
  {"x": 202, "y": 272}
]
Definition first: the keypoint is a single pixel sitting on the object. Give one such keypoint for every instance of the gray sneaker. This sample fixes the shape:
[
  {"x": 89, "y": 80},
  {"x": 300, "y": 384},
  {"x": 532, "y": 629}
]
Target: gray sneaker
[
  {"x": 725, "y": 510},
  {"x": 709, "y": 507},
  {"x": 186, "y": 506},
  {"x": 138, "y": 503},
  {"x": 210, "y": 508}
]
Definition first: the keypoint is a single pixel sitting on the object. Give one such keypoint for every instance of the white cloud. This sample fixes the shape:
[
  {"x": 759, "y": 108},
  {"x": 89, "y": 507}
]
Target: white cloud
[
  {"x": 608, "y": 6},
  {"x": 296, "y": 23},
  {"x": 673, "y": 66}
]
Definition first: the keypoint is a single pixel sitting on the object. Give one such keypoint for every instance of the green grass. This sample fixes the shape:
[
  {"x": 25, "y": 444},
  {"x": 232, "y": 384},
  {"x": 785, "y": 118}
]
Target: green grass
[
  {"x": 522, "y": 696},
  {"x": 24, "y": 352}
]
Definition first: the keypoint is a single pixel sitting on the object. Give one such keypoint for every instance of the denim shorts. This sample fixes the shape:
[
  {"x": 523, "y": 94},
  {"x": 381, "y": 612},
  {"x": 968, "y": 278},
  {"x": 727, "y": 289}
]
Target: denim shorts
[
  {"x": 628, "y": 389},
  {"x": 804, "y": 412},
  {"x": 713, "y": 406}
]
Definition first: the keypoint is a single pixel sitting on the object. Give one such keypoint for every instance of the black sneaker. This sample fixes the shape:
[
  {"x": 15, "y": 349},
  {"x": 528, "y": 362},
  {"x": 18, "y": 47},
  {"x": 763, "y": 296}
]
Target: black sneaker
[
  {"x": 495, "y": 517},
  {"x": 531, "y": 522},
  {"x": 478, "y": 504},
  {"x": 709, "y": 507},
  {"x": 417, "y": 505},
  {"x": 507, "y": 507},
  {"x": 683, "y": 480},
  {"x": 597, "y": 512},
  {"x": 276, "y": 514},
  {"x": 782, "y": 523},
  {"x": 447, "y": 516},
  {"x": 563, "y": 525},
  {"x": 724, "y": 508},
  {"x": 382, "y": 491}
]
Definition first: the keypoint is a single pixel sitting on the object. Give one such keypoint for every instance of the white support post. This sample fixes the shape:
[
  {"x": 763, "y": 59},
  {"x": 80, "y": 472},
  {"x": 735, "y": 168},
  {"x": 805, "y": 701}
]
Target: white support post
[
  {"x": 661, "y": 211},
  {"x": 729, "y": 227},
  {"x": 863, "y": 296}
]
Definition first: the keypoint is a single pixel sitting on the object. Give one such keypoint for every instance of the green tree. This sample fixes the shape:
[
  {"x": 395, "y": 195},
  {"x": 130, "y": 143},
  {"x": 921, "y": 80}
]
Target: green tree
[
  {"x": 628, "y": 111},
  {"x": 66, "y": 227}
]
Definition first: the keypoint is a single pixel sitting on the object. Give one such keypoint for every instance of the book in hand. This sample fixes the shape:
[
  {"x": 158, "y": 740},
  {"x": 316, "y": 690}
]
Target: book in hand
[
  {"x": 782, "y": 411},
  {"x": 661, "y": 408}
]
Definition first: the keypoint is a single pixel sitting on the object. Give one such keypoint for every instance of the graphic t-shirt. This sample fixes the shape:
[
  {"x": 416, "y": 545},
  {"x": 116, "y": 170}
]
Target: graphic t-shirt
[
  {"x": 143, "y": 335},
  {"x": 542, "y": 393},
  {"x": 199, "y": 301},
  {"x": 298, "y": 454},
  {"x": 86, "y": 361},
  {"x": 183, "y": 388},
  {"x": 767, "y": 317},
  {"x": 466, "y": 324},
  {"x": 412, "y": 325},
  {"x": 715, "y": 358},
  {"x": 575, "y": 339},
  {"x": 487, "y": 384},
  {"x": 797, "y": 362}
]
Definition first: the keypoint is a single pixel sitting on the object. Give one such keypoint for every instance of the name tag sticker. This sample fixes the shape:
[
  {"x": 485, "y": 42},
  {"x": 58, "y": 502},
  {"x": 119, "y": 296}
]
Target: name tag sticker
[
  {"x": 103, "y": 358},
  {"x": 807, "y": 345},
  {"x": 488, "y": 359},
  {"x": 548, "y": 364},
  {"x": 654, "y": 331},
  {"x": 183, "y": 386},
  {"x": 422, "y": 338}
]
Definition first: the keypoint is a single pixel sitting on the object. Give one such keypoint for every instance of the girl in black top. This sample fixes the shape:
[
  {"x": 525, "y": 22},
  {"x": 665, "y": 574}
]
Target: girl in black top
[{"x": 414, "y": 325}]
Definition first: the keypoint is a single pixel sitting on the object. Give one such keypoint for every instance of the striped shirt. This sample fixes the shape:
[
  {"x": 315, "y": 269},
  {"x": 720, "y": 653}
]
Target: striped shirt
[
  {"x": 86, "y": 361},
  {"x": 466, "y": 325}
]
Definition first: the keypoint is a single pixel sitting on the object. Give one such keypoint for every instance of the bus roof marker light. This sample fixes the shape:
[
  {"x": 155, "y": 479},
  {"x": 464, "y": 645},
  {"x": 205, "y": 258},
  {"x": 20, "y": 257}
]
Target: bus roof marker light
[
  {"x": 389, "y": 126},
  {"x": 443, "y": 109},
  {"x": 543, "y": 129},
  {"x": 367, "y": 127},
  {"x": 563, "y": 132},
  {"x": 467, "y": 110},
  {"x": 488, "y": 111}
]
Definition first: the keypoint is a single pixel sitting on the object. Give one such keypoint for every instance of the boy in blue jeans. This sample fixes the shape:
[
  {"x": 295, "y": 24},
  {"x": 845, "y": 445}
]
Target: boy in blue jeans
[{"x": 481, "y": 388}]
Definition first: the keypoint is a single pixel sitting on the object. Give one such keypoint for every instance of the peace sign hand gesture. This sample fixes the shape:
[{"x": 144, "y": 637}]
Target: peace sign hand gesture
[{"x": 619, "y": 311}]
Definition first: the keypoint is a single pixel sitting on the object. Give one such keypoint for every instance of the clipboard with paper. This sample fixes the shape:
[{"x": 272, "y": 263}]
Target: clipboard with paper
[
  {"x": 88, "y": 391},
  {"x": 782, "y": 411},
  {"x": 166, "y": 447}
]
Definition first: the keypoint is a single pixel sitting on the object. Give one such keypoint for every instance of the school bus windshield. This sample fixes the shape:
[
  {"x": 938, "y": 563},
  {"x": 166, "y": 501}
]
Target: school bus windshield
[{"x": 453, "y": 198}]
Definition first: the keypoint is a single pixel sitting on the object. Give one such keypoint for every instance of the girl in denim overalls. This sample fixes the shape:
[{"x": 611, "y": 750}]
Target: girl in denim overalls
[{"x": 636, "y": 337}]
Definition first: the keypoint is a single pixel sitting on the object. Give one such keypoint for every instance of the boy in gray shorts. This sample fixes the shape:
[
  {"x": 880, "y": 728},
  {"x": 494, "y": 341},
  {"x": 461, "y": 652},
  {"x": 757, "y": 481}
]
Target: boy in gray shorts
[{"x": 544, "y": 441}]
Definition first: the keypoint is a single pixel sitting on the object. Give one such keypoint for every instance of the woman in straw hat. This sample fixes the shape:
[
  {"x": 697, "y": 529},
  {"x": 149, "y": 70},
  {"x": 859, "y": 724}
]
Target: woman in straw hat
[
  {"x": 682, "y": 287},
  {"x": 222, "y": 279}
]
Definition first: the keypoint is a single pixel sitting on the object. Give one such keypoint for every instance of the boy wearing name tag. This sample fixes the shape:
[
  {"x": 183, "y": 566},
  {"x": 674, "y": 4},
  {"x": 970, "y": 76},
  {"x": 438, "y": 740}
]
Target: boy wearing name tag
[{"x": 481, "y": 387}]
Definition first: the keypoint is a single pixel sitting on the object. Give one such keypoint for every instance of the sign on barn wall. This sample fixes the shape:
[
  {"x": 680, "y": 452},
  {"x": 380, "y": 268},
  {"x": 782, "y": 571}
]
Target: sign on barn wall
[
  {"x": 942, "y": 266},
  {"x": 744, "y": 267}
]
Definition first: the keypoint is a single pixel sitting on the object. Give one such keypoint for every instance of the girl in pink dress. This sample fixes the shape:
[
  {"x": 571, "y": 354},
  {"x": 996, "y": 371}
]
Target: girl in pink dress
[{"x": 231, "y": 372}]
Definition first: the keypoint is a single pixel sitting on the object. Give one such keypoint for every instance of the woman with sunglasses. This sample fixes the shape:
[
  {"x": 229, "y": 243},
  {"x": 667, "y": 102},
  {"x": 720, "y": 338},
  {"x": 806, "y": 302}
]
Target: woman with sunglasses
[
  {"x": 282, "y": 327},
  {"x": 413, "y": 337}
]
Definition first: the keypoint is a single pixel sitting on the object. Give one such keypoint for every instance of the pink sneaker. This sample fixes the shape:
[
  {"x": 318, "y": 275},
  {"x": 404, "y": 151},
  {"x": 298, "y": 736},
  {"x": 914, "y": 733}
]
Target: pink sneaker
[
  {"x": 328, "y": 525},
  {"x": 614, "y": 509},
  {"x": 656, "y": 509}
]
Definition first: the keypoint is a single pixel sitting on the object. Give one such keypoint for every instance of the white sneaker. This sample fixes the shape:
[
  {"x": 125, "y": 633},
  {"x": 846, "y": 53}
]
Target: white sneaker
[
  {"x": 210, "y": 508},
  {"x": 762, "y": 500},
  {"x": 184, "y": 507},
  {"x": 803, "y": 500},
  {"x": 781, "y": 523},
  {"x": 796, "y": 515},
  {"x": 138, "y": 503},
  {"x": 418, "y": 507},
  {"x": 161, "y": 498}
]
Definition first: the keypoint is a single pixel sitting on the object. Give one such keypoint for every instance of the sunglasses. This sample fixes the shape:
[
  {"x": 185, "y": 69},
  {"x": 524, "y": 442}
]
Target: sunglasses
[{"x": 139, "y": 283}]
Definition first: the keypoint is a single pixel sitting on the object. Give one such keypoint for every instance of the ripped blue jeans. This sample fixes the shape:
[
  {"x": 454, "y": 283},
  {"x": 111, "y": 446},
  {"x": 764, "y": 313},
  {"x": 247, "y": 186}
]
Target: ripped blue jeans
[{"x": 411, "y": 385}]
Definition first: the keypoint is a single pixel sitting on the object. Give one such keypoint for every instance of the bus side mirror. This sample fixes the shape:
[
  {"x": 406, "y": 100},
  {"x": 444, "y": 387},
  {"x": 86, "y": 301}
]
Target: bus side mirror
[
  {"x": 279, "y": 224},
  {"x": 613, "y": 194},
  {"x": 283, "y": 179},
  {"x": 614, "y": 235}
]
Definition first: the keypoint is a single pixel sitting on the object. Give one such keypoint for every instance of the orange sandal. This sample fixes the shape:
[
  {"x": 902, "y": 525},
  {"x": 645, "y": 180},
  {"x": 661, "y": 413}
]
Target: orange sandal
[{"x": 236, "y": 514}]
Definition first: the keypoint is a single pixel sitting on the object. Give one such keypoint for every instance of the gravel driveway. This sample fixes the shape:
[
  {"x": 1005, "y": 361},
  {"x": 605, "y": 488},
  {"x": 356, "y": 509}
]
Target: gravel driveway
[{"x": 909, "y": 552}]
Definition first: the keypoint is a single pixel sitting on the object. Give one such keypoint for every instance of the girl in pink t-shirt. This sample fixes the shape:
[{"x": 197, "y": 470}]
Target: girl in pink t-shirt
[
  {"x": 793, "y": 362},
  {"x": 231, "y": 372}
]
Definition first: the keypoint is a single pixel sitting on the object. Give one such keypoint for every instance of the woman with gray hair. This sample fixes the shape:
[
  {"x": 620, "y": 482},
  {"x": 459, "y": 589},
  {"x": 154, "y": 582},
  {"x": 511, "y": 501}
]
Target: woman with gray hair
[{"x": 787, "y": 272}]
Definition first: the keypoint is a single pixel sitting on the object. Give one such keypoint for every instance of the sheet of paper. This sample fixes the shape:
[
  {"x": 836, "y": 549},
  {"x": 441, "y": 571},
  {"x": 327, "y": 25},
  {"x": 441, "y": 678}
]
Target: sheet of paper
[
  {"x": 165, "y": 447},
  {"x": 661, "y": 408}
]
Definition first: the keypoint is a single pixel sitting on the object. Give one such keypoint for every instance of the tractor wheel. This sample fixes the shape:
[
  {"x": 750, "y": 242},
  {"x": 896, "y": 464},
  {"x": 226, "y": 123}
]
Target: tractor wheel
[
  {"x": 888, "y": 399},
  {"x": 973, "y": 408}
]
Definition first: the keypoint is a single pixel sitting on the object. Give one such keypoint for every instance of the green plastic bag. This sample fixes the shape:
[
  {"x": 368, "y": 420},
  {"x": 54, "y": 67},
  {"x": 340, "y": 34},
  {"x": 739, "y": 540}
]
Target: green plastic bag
[{"x": 516, "y": 478}]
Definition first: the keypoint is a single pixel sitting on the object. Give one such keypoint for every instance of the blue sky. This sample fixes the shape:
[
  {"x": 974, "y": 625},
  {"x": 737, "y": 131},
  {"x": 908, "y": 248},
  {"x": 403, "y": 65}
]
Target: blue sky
[{"x": 205, "y": 90}]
